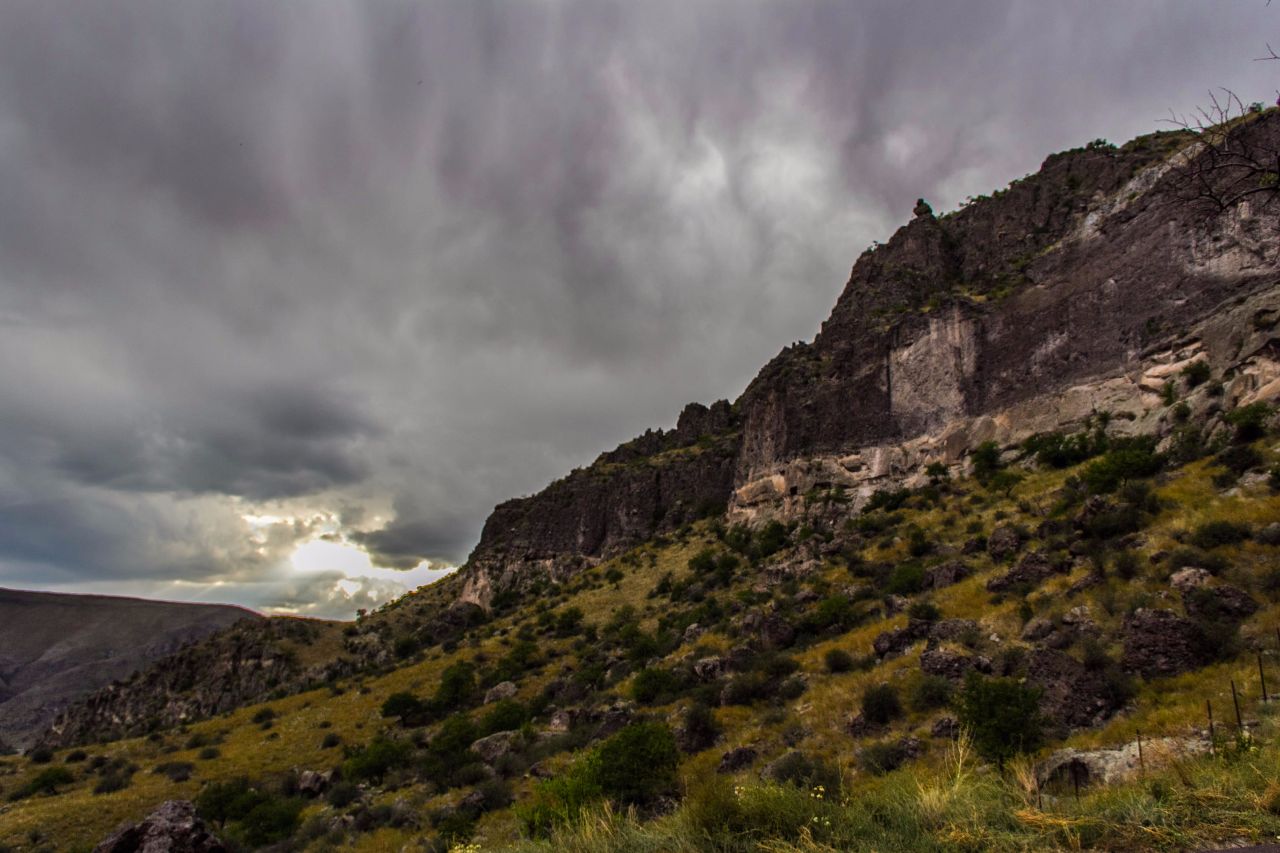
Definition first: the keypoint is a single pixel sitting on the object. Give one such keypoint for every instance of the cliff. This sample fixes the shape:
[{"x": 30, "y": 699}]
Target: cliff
[{"x": 1051, "y": 299}]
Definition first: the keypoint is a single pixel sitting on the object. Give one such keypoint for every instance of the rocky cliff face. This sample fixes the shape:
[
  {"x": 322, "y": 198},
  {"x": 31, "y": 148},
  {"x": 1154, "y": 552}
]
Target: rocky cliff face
[{"x": 1070, "y": 292}]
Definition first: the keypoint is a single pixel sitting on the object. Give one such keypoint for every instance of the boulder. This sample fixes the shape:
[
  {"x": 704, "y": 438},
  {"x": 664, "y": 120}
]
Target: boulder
[
  {"x": 1159, "y": 643},
  {"x": 736, "y": 759},
  {"x": 498, "y": 692},
  {"x": 1186, "y": 579},
  {"x": 313, "y": 783},
  {"x": 952, "y": 665},
  {"x": 1031, "y": 570},
  {"x": 495, "y": 746},
  {"x": 945, "y": 727},
  {"x": 946, "y": 574},
  {"x": 1072, "y": 696},
  {"x": 709, "y": 669},
  {"x": 1219, "y": 603},
  {"x": 172, "y": 828},
  {"x": 1004, "y": 542},
  {"x": 897, "y": 641},
  {"x": 952, "y": 630}
]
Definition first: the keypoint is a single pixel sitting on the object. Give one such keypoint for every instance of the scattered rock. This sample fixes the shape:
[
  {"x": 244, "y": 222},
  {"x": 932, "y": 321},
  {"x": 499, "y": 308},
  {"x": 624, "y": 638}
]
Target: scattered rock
[
  {"x": 709, "y": 669},
  {"x": 1031, "y": 571},
  {"x": 313, "y": 783},
  {"x": 897, "y": 641},
  {"x": 692, "y": 633},
  {"x": 952, "y": 665},
  {"x": 495, "y": 746},
  {"x": 946, "y": 727},
  {"x": 1218, "y": 603},
  {"x": 1073, "y": 696},
  {"x": 498, "y": 692},
  {"x": 859, "y": 726},
  {"x": 946, "y": 574},
  {"x": 1037, "y": 629},
  {"x": 171, "y": 828},
  {"x": 563, "y": 720},
  {"x": 736, "y": 759},
  {"x": 1189, "y": 578},
  {"x": 1159, "y": 642},
  {"x": 1004, "y": 542},
  {"x": 1269, "y": 535},
  {"x": 952, "y": 630}
]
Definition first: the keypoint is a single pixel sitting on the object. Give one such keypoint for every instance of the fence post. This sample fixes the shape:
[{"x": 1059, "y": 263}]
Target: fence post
[
  {"x": 1142, "y": 764},
  {"x": 1236, "y": 701},
  {"x": 1262, "y": 676},
  {"x": 1208, "y": 705}
]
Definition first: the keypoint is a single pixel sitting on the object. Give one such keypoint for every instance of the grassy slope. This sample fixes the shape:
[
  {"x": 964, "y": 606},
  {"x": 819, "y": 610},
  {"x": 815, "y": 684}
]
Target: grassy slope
[{"x": 919, "y": 810}]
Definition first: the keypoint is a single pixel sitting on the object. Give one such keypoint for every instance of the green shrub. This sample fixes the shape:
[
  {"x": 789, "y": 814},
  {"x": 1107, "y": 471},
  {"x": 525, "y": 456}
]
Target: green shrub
[
  {"x": 699, "y": 728},
  {"x": 838, "y": 660},
  {"x": 807, "y": 772},
  {"x": 505, "y": 715},
  {"x": 409, "y": 708},
  {"x": 40, "y": 755},
  {"x": 925, "y": 611},
  {"x": 638, "y": 763},
  {"x": 905, "y": 579},
  {"x": 929, "y": 692},
  {"x": 1002, "y": 715},
  {"x": 457, "y": 688},
  {"x": 651, "y": 685},
  {"x": 1212, "y": 534},
  {"x": 881, "y": 705},
  {"x": 47, "y": 781},
  {"x": 371, "y": 762},
  {"x": 1129, "y": 459},
  {"x": 1196, "y": 373},
  {"x": 1250, "y": 421},
  {"x": 1238, "y": 458},
  {"x": 985, "y": 460}
]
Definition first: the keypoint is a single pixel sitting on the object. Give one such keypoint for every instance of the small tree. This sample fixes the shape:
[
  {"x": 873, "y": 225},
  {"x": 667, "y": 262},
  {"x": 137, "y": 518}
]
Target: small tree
[{"x": 1002, "y": 715}]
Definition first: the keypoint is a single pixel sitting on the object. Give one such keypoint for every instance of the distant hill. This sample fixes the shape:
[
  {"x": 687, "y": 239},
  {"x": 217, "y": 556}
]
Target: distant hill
[{"x": 55, "y": 648}]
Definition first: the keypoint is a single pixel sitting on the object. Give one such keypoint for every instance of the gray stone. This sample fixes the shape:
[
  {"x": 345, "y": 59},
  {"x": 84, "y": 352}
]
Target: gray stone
[
  {"x": 498, "y": 692},
  {"x": 172, "y": 828}
]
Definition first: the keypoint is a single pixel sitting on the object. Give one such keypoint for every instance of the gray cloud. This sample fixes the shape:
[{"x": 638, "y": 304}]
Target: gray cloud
[{"x": 380, "y": 266}]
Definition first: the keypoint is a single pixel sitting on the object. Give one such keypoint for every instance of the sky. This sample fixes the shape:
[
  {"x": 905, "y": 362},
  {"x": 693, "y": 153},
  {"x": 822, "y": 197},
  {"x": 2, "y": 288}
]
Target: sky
[{"x": 292, "y": 293}]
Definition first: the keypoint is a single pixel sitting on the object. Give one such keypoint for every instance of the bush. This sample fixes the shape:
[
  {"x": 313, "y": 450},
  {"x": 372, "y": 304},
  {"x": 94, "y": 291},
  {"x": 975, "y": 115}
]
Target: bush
[
  {"x": 803, "y": 771},
  {"x": 1250, "y": 422},
  {"x": 650, "y": 685},
  {"x": 925, "y": 611},
  {"x": 47, "y": 781},
  {"x": 457, "y": 688},
  {"x": 1196, "y": 373},
  {"x": 505, "y": 715},
  {"x": 1129, "y": 459},
  {"x": 699, "y": 729},
  {"x": 331, "y": 740},
  {"x": 372, "y": 761},
  {"x": 905, "y": 579},
  {"x": 409, "y": 708},
  {"x": 263, "y": 715},
  {"x": 883, "y": 757},
  {"x": 1238, "y": 458},
  {"x": 1002, "y": 715},
  {"x": 985, "y": 460},
  {"x": 929, "y": 692},
  {"x": 637, "y": 764},
  {"x": 838, "y": 660},
  {"x": 1215, "y": 533},
  {"x": 40, "y": 755},
  {"x": 880, "y": 704}
]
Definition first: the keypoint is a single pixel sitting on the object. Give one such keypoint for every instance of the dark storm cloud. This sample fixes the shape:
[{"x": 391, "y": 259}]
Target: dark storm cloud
[{"x": 376, "y": 267}]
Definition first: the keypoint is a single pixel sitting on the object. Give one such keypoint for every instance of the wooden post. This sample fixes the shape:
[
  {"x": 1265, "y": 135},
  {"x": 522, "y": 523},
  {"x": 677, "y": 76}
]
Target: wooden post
[
  {"x": 1075, "y": 779},
  {"x": 1262, "y": 676},
  {"x": 1142, "y": 764},
  {"x": 1236, "y": 701},
  {"x": 1208, "y": 705}
]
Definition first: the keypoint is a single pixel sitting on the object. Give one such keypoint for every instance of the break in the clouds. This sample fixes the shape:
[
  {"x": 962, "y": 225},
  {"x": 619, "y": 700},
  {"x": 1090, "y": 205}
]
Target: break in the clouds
[{"x": 292, "y": 293}]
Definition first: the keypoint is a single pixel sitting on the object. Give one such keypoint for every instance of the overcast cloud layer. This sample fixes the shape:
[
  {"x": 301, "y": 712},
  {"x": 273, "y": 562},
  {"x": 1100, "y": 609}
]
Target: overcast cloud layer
[{"x": 296, "y": 272}]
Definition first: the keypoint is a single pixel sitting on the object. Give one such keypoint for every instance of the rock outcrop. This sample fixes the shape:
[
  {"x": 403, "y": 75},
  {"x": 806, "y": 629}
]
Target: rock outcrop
[
  {"x": 171, "y": 828},
  {"x": 1025, "y": 312}
]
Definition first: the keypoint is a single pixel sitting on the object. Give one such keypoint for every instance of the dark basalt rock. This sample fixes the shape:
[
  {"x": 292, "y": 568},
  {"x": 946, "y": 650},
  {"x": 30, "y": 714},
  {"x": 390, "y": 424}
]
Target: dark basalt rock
[
  {"x": 1031, "y": 570},
  {"x": 946, "y": 574},
  {"x": 1073, "y": 696},
  {"x": 1159, "y": 643},
  {"x": 1003, "y": 543},
  {"x": 171, "y": 828},
  {"x": 953, "y": 665},
  {"x": 1218, "y": 603}
]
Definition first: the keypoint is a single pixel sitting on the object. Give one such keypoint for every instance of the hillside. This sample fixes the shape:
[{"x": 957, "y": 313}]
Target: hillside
[
  {"x": 56, "y": 648},
  {"x": 969, "y": 571}
]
